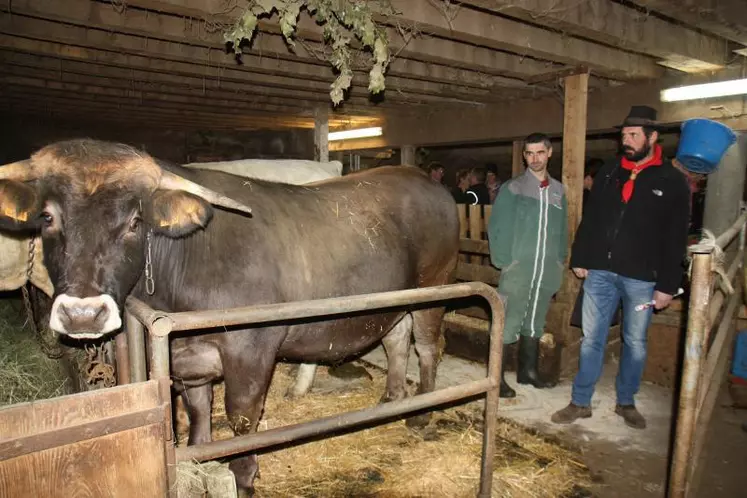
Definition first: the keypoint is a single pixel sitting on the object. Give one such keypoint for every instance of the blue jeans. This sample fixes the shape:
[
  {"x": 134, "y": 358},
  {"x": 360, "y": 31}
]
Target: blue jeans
[{"x": 602, "y": 293}]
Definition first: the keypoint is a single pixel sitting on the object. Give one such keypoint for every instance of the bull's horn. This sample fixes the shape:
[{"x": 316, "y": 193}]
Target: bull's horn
[
  {"x": 20, "y": 171},
  {"x": 170, "y": 181}
]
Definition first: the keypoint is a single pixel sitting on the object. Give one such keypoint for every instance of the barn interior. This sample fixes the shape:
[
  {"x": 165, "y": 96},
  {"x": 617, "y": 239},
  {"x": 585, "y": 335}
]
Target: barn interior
[{"x": 466, "y": 82}]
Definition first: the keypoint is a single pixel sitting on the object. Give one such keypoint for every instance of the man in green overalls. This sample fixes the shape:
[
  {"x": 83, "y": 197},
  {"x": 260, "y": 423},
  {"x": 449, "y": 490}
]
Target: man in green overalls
[{"x": 528, "y": 232}]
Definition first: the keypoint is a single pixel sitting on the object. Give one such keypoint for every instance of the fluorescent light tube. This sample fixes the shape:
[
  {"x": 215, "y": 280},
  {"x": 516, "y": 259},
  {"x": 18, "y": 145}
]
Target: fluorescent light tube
[
  {"x": 707, "y": 90},
  {"x": 359, "y": 133}
]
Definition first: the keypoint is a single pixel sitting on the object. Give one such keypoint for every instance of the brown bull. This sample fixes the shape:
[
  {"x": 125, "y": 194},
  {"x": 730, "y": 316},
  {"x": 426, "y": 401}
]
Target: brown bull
[{"x": 102, "y": 207}]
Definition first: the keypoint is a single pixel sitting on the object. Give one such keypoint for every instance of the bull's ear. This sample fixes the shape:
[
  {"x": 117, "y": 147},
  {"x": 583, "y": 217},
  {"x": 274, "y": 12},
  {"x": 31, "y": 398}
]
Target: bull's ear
[
  {"x": 19, "y": 205},
  {"x": 176, "y": 213}
]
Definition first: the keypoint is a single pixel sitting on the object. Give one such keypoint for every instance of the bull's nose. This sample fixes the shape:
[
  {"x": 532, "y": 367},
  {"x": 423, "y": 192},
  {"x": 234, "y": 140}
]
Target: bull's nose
[
  {"x": 87, "y": 318},
  {"x": 83, "y": 317}
]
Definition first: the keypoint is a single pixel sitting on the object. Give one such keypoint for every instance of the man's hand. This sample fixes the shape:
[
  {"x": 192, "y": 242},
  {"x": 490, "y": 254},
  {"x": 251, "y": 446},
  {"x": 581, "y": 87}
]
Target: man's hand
[
  {"x": 662, "y": 300},
  {"x": 582, "y": 273}
]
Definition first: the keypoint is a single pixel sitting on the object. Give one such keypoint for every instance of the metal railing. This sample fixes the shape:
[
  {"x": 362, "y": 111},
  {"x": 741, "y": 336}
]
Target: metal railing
[
  {"x": 160, "y": 325},
  {"x": 704, "y": 356}
]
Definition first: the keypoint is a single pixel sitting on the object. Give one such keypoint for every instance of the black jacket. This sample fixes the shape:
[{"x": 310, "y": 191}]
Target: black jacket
[
  {"x": 478, "y": 194},
  {"x": 644, "y": 239}
]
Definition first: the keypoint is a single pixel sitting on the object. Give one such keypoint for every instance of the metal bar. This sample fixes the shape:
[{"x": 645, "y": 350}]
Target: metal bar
[
  {"x": 136, "y": 340},
  {"x": 725, "y": 238},
  {"x": 159, "y": 357},
  {"x": 272, "y": 437},
  {"x": 491, "y": 400},
  {"x": 122, "y": 355},
  {"x": 697, "y": 316},
  {"x": 269, "y": 313},
  {"x": 160, "y": 326}
]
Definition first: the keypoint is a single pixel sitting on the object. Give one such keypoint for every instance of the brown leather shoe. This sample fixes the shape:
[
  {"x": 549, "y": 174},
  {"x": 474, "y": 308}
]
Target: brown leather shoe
[
  {"x": 631, "y": 415},
  {"x": 570, "y": 413}
]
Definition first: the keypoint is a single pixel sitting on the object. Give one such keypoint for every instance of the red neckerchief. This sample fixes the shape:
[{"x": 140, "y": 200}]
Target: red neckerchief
[
  {"x": 545, "y": 183},
  {"x": 635, "y": 169}
]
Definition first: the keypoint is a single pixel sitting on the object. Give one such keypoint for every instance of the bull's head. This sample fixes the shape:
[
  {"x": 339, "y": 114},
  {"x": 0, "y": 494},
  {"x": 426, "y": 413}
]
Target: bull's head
[{"x": 93, "y": 203}]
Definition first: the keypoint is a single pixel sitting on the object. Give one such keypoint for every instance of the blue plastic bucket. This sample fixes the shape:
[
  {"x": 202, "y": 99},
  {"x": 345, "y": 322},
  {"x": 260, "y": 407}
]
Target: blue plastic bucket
[
  {"x": 739, "y": 361},
  {"x": 703, "y": 143}
]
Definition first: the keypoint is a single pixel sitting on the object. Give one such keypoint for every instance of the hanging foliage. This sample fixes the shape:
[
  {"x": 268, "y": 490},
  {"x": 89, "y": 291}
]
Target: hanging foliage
[{"x": 341, "y": 20}]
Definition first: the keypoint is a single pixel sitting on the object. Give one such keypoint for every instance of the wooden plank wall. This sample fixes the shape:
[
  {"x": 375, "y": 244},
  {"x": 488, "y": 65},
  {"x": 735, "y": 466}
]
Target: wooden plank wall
[
  {"x": 474, "y": 259},
  {"x": 110, "y": 443}
]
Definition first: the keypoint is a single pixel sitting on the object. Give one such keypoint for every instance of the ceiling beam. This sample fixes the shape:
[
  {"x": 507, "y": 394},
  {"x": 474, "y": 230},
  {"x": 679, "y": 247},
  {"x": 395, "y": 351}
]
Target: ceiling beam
[
  {"x": 443, "y": 53},
  {"x": 620, "y": 26},
  {"x": 143, "y": 45},
  {"x": 189, "y": 85},
  {"x": 726, "y": 18},
  {"x": 128, "y": 108},
  {"x": 465, "y": 24},
  {"x": 170, "y": 28}
]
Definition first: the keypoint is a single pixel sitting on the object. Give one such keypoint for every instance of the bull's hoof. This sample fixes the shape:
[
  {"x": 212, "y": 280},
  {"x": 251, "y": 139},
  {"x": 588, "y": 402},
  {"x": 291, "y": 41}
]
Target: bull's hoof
[{"x": 387, "y": 398}]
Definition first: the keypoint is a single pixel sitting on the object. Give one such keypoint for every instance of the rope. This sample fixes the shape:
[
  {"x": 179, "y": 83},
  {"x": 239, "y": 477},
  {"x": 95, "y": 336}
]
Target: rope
[{"x": 718, "y": 262}]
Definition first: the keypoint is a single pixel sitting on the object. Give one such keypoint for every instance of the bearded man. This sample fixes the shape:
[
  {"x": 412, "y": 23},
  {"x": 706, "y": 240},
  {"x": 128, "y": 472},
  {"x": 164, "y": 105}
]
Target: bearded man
[{"x": 630, "y": 246}]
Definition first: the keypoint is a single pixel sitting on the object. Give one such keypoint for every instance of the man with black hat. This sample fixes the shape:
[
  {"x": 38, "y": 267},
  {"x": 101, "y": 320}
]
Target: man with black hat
[{"x": 629, "y": 246}]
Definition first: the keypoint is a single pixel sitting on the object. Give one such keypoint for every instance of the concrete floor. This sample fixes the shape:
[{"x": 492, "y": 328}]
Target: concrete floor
[{"x": 624, "y": 462}]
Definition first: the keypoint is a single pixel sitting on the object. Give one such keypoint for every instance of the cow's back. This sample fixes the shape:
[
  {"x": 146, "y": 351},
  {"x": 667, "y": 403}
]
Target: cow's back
[{"x": 385, "y": 229}]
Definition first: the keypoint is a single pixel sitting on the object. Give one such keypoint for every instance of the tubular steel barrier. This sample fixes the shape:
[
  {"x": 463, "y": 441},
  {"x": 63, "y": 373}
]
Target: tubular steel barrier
[
  {"x": 700, "y": 372},
  {"x": 161, "y": 324}
]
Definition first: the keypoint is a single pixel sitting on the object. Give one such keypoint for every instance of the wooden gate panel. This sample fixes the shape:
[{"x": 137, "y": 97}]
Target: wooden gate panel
[{"x": 107, "y": 443}]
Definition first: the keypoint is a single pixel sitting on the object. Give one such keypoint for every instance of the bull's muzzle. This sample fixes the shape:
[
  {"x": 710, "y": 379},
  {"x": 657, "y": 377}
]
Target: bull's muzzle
[{"x": 84, "y": 318}]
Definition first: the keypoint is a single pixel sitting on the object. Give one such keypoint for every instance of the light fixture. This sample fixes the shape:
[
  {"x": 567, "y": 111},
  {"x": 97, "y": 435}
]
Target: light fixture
[
  {"x": 359, "y": 133},
  {"x": 704, "y": 91}
]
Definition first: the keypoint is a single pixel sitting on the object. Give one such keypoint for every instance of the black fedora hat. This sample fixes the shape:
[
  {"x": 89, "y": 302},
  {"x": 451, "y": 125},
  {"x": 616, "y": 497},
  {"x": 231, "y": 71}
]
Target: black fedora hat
[{"x": 640, "y": 115}]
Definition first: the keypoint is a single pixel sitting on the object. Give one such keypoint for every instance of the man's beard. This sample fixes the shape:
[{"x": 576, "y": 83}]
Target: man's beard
[{"x": 632, "y": 155}]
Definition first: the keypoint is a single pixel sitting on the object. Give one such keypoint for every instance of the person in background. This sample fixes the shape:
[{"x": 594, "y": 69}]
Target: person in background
[
  {"x": 459, "y": 192},
  {"x": 528, "y": 240},
  {"x": 436, "y": 170},
  {"x": 590, "y": 171},
  {"x": 492, "y": 182},
  {"x": 477, "y": 193},
  {"x": 629, "y": 246}
]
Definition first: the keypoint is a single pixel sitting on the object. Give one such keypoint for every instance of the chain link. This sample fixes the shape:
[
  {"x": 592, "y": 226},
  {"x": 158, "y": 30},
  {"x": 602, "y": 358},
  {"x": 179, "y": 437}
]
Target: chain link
[
  {"x": 44, "y": 336},
  {"x": 150, "y": 284}
]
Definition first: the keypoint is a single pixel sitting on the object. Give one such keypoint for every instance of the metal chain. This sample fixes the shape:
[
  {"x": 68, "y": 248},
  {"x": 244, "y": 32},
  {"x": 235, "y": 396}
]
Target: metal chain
[
  {"x": 150, "y": 285},
  {"x": 51, "y": 348}
]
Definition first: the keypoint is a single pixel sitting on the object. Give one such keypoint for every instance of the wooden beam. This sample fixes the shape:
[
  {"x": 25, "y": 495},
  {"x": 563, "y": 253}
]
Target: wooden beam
[
  {"x": 726, "y": 18},
  {"x": 296, "y": 73},
  {"x": 321, "y": 134},
  {"x": 427, "y": 49},
  {"x": 574, "y": 146},
  {"x": 614, "y": 24},
  {"x": 407, "y": 155},
  {"x": 461, "y": 23},
  {"x": 517, "y": 158},
  {"x": 574, "y": 154},
  {"x": 148, "y": 29}
]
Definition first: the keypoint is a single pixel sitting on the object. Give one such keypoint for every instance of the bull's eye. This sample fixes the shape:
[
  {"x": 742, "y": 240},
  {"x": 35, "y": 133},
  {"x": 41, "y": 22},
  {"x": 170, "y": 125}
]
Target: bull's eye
[
  {"x": 135, "y": 224},
  {"x": 47, "y": 218}
]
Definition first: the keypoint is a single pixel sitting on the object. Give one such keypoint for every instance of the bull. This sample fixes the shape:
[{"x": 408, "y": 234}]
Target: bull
[{"x": 101, "y": 207}]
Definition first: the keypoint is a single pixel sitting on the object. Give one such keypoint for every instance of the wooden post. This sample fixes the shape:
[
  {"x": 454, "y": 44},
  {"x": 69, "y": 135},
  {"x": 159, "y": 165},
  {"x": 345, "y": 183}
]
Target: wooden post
[
  {"x": 475, "y": 228},
  {"x": 462, "y": 211},
  {"x": 574, "y": 152},
  {"x": 517, "y": 166},
  {"x": 407, "y": 155},
  {"x": 321, "y": 135}
]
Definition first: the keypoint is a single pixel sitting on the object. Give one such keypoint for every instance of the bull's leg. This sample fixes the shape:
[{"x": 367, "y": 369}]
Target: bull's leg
[
  {"x": 247, "y": 379},
  {"x": 198, "y": 401},
  {"x": 304, "y": 380},
  {"x": 397, "y": 347},
  {"x": 426, "y": 328}
]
